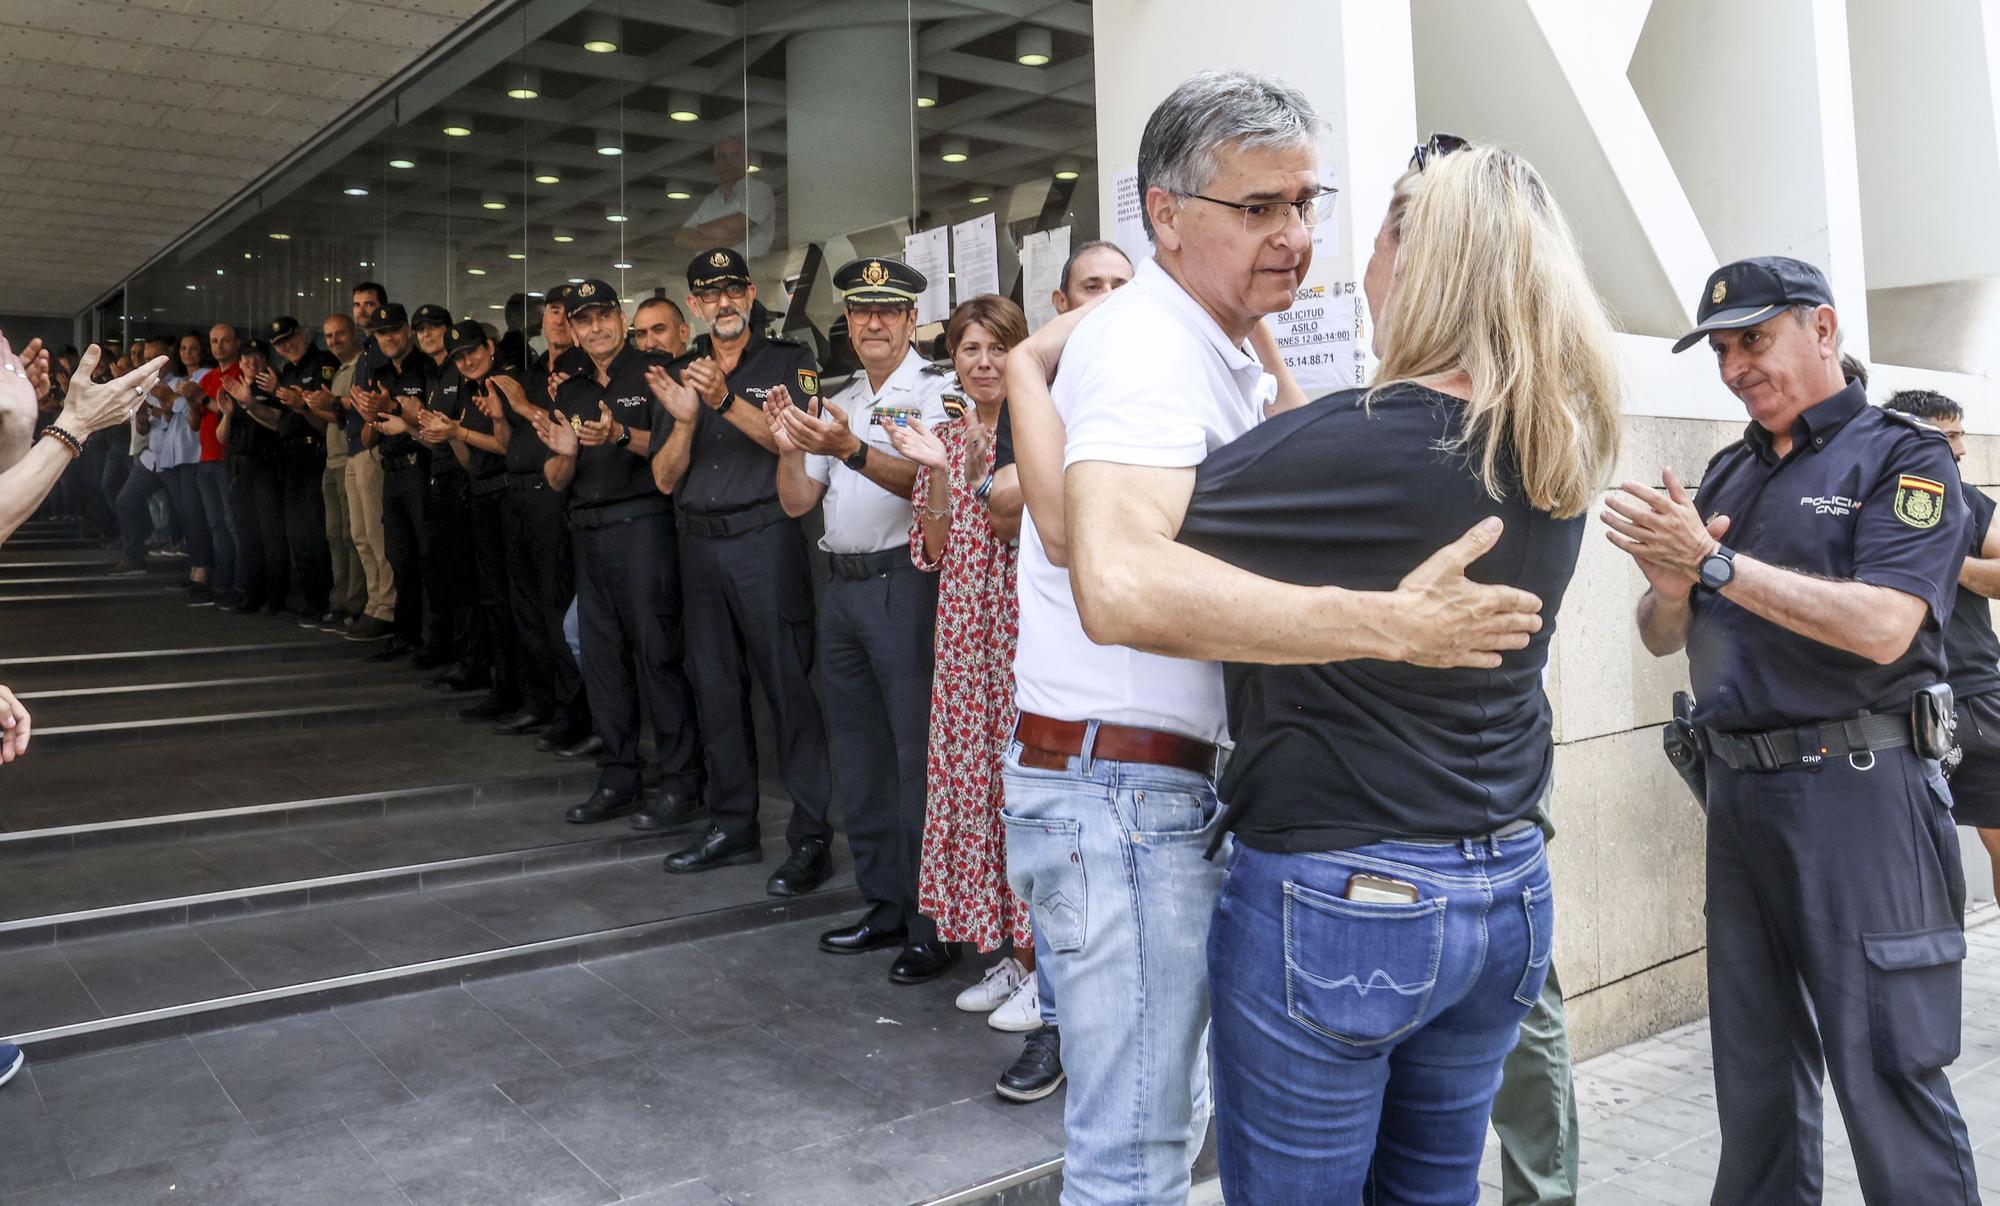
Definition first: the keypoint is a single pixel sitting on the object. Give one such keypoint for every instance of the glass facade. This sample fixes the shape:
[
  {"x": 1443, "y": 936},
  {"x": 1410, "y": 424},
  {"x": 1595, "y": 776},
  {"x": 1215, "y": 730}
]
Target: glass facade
[{"x": 615, "y": 139}]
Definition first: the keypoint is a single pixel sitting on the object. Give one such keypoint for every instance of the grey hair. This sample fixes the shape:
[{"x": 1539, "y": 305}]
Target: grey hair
[{"x": 1214, "y": 111}]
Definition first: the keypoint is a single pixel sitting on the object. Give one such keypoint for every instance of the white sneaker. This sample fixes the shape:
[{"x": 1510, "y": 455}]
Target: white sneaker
[
  {"x": 994, "y": 988},
  {"x": 1023, "y": 1010}
]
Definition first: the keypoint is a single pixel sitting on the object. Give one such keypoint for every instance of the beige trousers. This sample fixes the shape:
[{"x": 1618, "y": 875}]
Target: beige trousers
[{"x": 364, "y": 512}]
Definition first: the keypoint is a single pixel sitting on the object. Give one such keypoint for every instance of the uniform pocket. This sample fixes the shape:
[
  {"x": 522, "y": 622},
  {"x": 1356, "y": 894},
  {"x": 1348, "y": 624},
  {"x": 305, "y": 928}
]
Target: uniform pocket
[
  {"x": 1045, "y": 867},
  {"x": 1539, "y": 905},
  {"x": 1359, "y": 972},
  {"x": 1914, "y": 987}
]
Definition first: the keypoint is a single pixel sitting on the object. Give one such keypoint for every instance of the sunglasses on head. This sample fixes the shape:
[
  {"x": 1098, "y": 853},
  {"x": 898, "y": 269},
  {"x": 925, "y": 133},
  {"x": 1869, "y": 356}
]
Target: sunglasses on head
[{"x": 1437, "y": 147}]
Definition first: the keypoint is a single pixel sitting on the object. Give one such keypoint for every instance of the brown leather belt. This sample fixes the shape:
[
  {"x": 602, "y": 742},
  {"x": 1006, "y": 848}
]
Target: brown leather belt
[{"x": 1050, "y": 744}]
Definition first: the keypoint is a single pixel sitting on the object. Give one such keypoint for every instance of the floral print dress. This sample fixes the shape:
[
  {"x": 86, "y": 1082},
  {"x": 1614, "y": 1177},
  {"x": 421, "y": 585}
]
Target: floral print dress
[{"x": 962, "y": 882}]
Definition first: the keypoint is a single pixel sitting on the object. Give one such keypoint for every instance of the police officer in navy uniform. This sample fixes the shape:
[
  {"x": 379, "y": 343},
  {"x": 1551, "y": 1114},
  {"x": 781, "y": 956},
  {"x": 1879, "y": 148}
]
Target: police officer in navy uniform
[
  {"x": 394, "y": 398},
  {"x": 748, "y": 583},
  {"x": 627, "y": 565},
  {"x": 541, "y": 569},
  {"x": 1810, "y": 580},
  {"x": 478, "y": 441},
  {"x": 305, "y": 367},
  {"x": 451, "y": 638},
  {"x": 257, "y": 491},
  {"x": 878, "y": 622}
]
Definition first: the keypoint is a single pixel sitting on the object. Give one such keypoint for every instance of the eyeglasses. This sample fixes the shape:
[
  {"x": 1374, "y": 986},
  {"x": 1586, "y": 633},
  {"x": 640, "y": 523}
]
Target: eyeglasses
[
  {"x": 862, "y": 313},
  {"x": 1437, "y": 147},
  {"x": 1270, "y": 217},
  {"x": 734, "y": 291}
]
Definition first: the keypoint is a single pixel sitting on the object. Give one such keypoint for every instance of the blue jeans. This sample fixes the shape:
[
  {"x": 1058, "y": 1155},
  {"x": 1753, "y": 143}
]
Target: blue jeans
[
  {"x": 211, "y": 479},
  {"x": 573, "y": 635},
  {"x": 1109, "y": 857},
  {"x": 1358, "y": 1045}
]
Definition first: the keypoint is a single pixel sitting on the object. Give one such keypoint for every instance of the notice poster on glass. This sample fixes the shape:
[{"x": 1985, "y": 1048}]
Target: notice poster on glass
[
  {"x": 1320, "y": 336},
  {"x": 929, "y": 252},
  {"x": 1042, "y": 257},
  {"x": 1129, "y": 227},
  {"x": 975, "y": 258}
]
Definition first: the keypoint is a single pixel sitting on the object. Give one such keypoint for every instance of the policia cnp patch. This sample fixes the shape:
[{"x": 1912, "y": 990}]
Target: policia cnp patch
[{"x": 1919, "y": 501}]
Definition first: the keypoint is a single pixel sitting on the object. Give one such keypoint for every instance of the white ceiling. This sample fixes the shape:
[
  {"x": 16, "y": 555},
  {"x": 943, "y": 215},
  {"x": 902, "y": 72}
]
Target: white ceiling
[{"x": 124, "y": 122}]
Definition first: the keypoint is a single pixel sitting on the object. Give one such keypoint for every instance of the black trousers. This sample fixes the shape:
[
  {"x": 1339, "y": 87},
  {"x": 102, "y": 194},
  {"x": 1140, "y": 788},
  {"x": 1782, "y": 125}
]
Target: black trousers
[
  {"x": 405, "y": 499},
  {"x": 1835, "y": 946},
  {"x": 749, "y": 602},
  {"x": 876, "y": 651},
  {"x": 541, "y": 580},
  {"x": 451, "y": 578},
  {"x": 305, "y": 527},
  {"x": 628, "y": 616},
  {"x": 257, "y": 499},
  {"x": 486, "y": 525}
]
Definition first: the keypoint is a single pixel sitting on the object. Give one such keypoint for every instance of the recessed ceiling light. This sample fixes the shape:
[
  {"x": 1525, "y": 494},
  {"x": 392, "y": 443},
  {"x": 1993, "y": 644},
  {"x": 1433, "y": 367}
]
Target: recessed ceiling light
[
  {"x": 527, "y": 87},
  {"x": 534, "y": 293},
  {"x": 1068, "y": 169},
  {"x": 954, "y": 150},
  {"x": 621, "y": 264},
  {"x": 457, "y": 127},
  {"x": 517, "y": 255},
  {"x": 495, "y": 306},
  {"x": 927, "y": 90},
  {"x": 753, "y": 168},
  {"x": 576, "y": 280},
  {"x": 218, "y": 272},
  {"x": 683, "y": 106},
  {"x": 475, "y": 272},
  {"x": 280, "y": 235},
  {"x": 1033, "y": 47},
  {"x": 677, "y": 193},
  {"x": 563, "y": 236},
  {"x": 192, "y": 288},
  {"x": 246, "y": 255},
  {"x": 493, "y": 201},
  {"x": 981, "y": 199},
  {"x": 614, "y": 214},
  {"x": 600, "y": 33},
  {"x": 302, "y": 293},
  {"x": 609, "y": 143},
  {"x": 547, "y": 175},
  {"x": 402, "y": 164}
]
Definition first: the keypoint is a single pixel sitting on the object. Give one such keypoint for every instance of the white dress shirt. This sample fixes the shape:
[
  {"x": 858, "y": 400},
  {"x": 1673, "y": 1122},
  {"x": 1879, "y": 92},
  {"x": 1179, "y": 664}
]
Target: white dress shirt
[
  {"x": 862, "y": 517},
  {"x": 751, "y": 197}
]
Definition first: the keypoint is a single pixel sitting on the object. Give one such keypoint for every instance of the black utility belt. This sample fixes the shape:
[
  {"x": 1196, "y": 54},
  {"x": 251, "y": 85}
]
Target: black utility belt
[
  {"x": 527, "y": 481},
  {"x": 855, "y": 567},
  {"x": 753, "y": 518},
  {"x": 402, "y": 460},
  {"x": 1808, "y": 744},
  {"x": 485, "y": 486},
  {"x": 605, "y": 514}
]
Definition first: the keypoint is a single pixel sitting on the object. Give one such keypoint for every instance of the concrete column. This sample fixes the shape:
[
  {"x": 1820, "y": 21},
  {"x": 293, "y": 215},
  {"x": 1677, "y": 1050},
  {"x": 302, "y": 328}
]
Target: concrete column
[{"x": 848, "y": 112}]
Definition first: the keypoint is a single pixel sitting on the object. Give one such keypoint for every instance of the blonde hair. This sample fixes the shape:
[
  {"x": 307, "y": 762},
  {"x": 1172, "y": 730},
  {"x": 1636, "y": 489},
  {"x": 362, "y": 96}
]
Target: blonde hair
[{"x": 1491, "y": 283}]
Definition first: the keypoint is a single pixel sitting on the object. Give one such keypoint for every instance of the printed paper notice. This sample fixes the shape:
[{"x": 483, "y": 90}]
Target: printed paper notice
[
  {"x": 1130, "y": 226},
  {"x": 975, "y": 258},
  {"x": 929, "y": 252},
  {"x": 1320, "y": 336},
  {"x": 1042, "y": 256}
]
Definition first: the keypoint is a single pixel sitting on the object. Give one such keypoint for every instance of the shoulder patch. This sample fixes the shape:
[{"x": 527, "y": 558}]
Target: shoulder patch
[
  {"x": 1906, "y": 420},
  {"x": 1919, "y": 501},
  {"x": 934, "y": 369},
  {"x": 809, "y": 383}
]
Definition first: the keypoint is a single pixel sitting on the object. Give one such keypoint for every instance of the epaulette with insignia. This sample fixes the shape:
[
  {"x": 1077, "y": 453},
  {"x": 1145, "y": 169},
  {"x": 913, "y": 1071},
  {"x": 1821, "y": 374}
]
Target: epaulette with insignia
[
  {"x": 1908, "y": 420},
  {"x": 933, "y": 368}
]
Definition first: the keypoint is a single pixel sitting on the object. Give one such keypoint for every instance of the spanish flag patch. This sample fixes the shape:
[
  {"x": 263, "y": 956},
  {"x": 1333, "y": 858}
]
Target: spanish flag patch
[{"x": 1919, "y": 501}]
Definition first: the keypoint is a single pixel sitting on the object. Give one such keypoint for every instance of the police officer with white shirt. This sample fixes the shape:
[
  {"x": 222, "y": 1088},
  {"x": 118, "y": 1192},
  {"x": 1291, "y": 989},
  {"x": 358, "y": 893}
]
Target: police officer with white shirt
[{"x": 878, "y": 617}]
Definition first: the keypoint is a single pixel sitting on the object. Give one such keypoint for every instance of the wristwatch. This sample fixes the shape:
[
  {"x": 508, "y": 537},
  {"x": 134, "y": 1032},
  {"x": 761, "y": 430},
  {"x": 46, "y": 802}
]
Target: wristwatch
[
  {"x": 624, "y": 436},
  {"x": 859, "y": 459},
  {"x": 722, "y": 407},
  {"x": 1718, "y": 569}
]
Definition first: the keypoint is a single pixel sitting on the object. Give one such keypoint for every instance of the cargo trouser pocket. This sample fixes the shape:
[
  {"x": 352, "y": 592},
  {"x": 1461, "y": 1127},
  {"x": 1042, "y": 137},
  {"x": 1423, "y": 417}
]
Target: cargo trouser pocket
[
  {"x": 1915, "y": 984},
  {"x": 1360, "y": 972}
]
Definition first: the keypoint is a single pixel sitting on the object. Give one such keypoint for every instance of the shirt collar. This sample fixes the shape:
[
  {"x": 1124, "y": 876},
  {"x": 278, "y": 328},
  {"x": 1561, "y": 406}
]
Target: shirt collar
[
  {"x": 1816, "y": 424},
  {"x": 900, "y": 381},
  {"x": 1156, "y": 278}
]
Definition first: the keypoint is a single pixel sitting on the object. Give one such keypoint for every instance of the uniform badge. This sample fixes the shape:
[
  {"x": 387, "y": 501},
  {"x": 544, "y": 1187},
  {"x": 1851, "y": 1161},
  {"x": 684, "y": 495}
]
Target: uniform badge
[
  {"x": 719, "y": 259},
  {"x": 585, "y": 289},
  {"x": 1919, "y": 501},
  {"x": 874, "y": 274},
  {"x": 1720, "y": 291},
  {"x": 576, "y": 424},
  {"x": 808, "y": 383}
]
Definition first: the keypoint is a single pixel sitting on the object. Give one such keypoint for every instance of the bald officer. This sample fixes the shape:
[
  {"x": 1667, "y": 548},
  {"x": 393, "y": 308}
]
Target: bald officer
[{"x": 877, "y": 625}]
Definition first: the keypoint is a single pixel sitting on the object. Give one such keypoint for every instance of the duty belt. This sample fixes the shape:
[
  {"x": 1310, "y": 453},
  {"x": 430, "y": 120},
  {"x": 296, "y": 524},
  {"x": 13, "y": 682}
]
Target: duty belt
[
  {"x": 406, "y": 460},
  {"x": 483, "y": 486},
  {"x": 527, "y": 481},
  {"x": 752, "y": 518},
  {"x": 854, "y": 567},
  {"x": 1775, "y": 749},
  {"x": 606, "y": 514}
]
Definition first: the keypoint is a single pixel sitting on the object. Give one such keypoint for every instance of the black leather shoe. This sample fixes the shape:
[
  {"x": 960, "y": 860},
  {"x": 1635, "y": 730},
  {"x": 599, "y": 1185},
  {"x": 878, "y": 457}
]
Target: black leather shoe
[
  {"x": 922, "y": 962},
  {"x": 667, "y": 810},
  {"x": 395, "y": 648},
  {"x": 521, "y": 723},
  {"x": 811, "y": 862},
  {"x": 493, "y": 707},
  {"x": 715, "y": 849},
  {"x": 430, "y": 659},
  {"x": 553, "y": 740},
  {"x": 602, "y": 805},
  {"x": 1037, "y": 1071},
  {"x": 862, "y": 936},
  {"x": 590, "y": 747}
]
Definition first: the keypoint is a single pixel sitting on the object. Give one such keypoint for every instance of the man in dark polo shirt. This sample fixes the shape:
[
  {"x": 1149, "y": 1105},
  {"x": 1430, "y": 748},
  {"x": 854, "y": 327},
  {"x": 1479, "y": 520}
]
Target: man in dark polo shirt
[
  {"x": 627, "y": 570},
  {"x": 747, "y": 580},
  {"x": 304, "y": 368},
  {"x": 390, "y": 403}
]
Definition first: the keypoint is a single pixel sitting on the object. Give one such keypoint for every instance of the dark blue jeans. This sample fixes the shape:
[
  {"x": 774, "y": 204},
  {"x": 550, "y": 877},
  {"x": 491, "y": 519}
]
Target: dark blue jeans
[{"x": 1358, "y": 1045}]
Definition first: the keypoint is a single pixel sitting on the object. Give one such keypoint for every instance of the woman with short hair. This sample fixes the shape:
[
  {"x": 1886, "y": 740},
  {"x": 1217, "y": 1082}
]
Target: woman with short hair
[{"x": 1387, "y": 917}]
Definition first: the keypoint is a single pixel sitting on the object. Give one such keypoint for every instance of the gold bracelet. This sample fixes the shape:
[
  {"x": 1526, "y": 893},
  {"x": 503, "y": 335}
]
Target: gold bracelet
[{"x": 67, "y": 440}]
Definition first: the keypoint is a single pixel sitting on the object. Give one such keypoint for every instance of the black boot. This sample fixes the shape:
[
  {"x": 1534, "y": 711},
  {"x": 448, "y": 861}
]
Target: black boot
[{"x": 1037, "y": 1071}]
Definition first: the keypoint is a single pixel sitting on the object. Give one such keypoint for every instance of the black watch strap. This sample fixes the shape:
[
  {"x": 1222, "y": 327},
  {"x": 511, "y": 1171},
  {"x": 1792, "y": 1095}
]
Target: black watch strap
[
  {"x": 624, "y": 436},
  {"x": 859, "y": 460},
  {"x": 722, "y": 407}
]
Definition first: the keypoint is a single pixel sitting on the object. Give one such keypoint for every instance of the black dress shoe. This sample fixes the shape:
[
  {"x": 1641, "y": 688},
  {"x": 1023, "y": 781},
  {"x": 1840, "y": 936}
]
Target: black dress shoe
[
  {"x": 715, "y": 849},
  {"x": 554, "y": 740},
  {"x": 922, "y": 962},
  {"x": 430, "y": 659},
  {"x": 590, "y": 747},
  {"x": 520, "y": 723},
  {"x": 602, "y": 805},
  {"x": 1037, "y": 1071},
  {"x": 667, "y": 809},
  {"x": 493, "y": 707},
  {"x": 811, "y": 862},
  {"x": 461, "y": 677},
  {"x": 395, "y": 647},
  {"x": 862, "y": 936}
]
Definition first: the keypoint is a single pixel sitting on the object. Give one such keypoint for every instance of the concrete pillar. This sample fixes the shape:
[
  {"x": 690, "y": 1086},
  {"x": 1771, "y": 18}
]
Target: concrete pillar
[{"x": 848, "y": 113}]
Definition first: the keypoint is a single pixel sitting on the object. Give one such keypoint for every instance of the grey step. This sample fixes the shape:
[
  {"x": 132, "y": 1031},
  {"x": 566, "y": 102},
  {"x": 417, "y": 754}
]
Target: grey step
[
  {"x": 47, "y": 583},
  {"x": 196, "y": 661},
  {"x": 12, "y": 569},
  {"x": 327, "y": 684},
  {"x": 360, "y": 706},
  {"x": 148, "y": 587}
]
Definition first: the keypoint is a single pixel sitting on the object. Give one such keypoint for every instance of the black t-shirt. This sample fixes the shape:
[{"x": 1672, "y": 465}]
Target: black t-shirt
[
  {"x": 1003, "y": 439},
  {"x": 1348, "y": 753},
  {"x": 484, "y": 465},
  {"x": 727, "y": 470},
  {"x": 250, "y": 440},
  {"x": 372, "y": 360},
  {"x": 1971, "y": 653},
  {"x": 525, "y": 451},
  {"x": 412, "y": 380},
  {"x": 314, "y": 371},
  {"x": 446, "y": 398},
  {"x": 606, "y": 473}
]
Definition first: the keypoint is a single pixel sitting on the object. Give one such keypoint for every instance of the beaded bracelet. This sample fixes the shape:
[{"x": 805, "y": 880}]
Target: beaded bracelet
[{"x": 67, "y": 440}]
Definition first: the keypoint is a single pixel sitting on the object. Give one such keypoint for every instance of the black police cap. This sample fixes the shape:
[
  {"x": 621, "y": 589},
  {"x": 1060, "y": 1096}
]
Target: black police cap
[
  {"x": 559, "y": 296},
  {"x": 879, "y": 281},
  {"x": 431, "y": 316},
  {"x": 282, "y": 328},
  {"x": 389, "y": 317},
  {"x": 1750, "y": 291},
  {"x": 717, "y": 267},
  {"x": 462, "y": 337},
  {"x": 592, "y": 294}
]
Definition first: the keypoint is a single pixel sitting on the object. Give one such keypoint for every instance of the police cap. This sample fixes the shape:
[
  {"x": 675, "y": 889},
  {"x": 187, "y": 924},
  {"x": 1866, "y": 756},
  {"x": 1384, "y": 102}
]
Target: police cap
[
  {"x": 282, "y": 328},
  {"x": 1750, "y": 291},
  {"x": 463, "y": 336},
  {"x": 716, "y": 267},
  {"x": 592, "y": 294},
  {"x": 389, "y": 317},
  {"x": 431, "y": 316},
  {"x": 879, "y": 281}
]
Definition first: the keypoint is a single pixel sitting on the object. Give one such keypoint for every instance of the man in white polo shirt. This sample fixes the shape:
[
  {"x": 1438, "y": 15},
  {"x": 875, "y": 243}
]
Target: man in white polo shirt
[{"x": 1110, "y": 781}]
